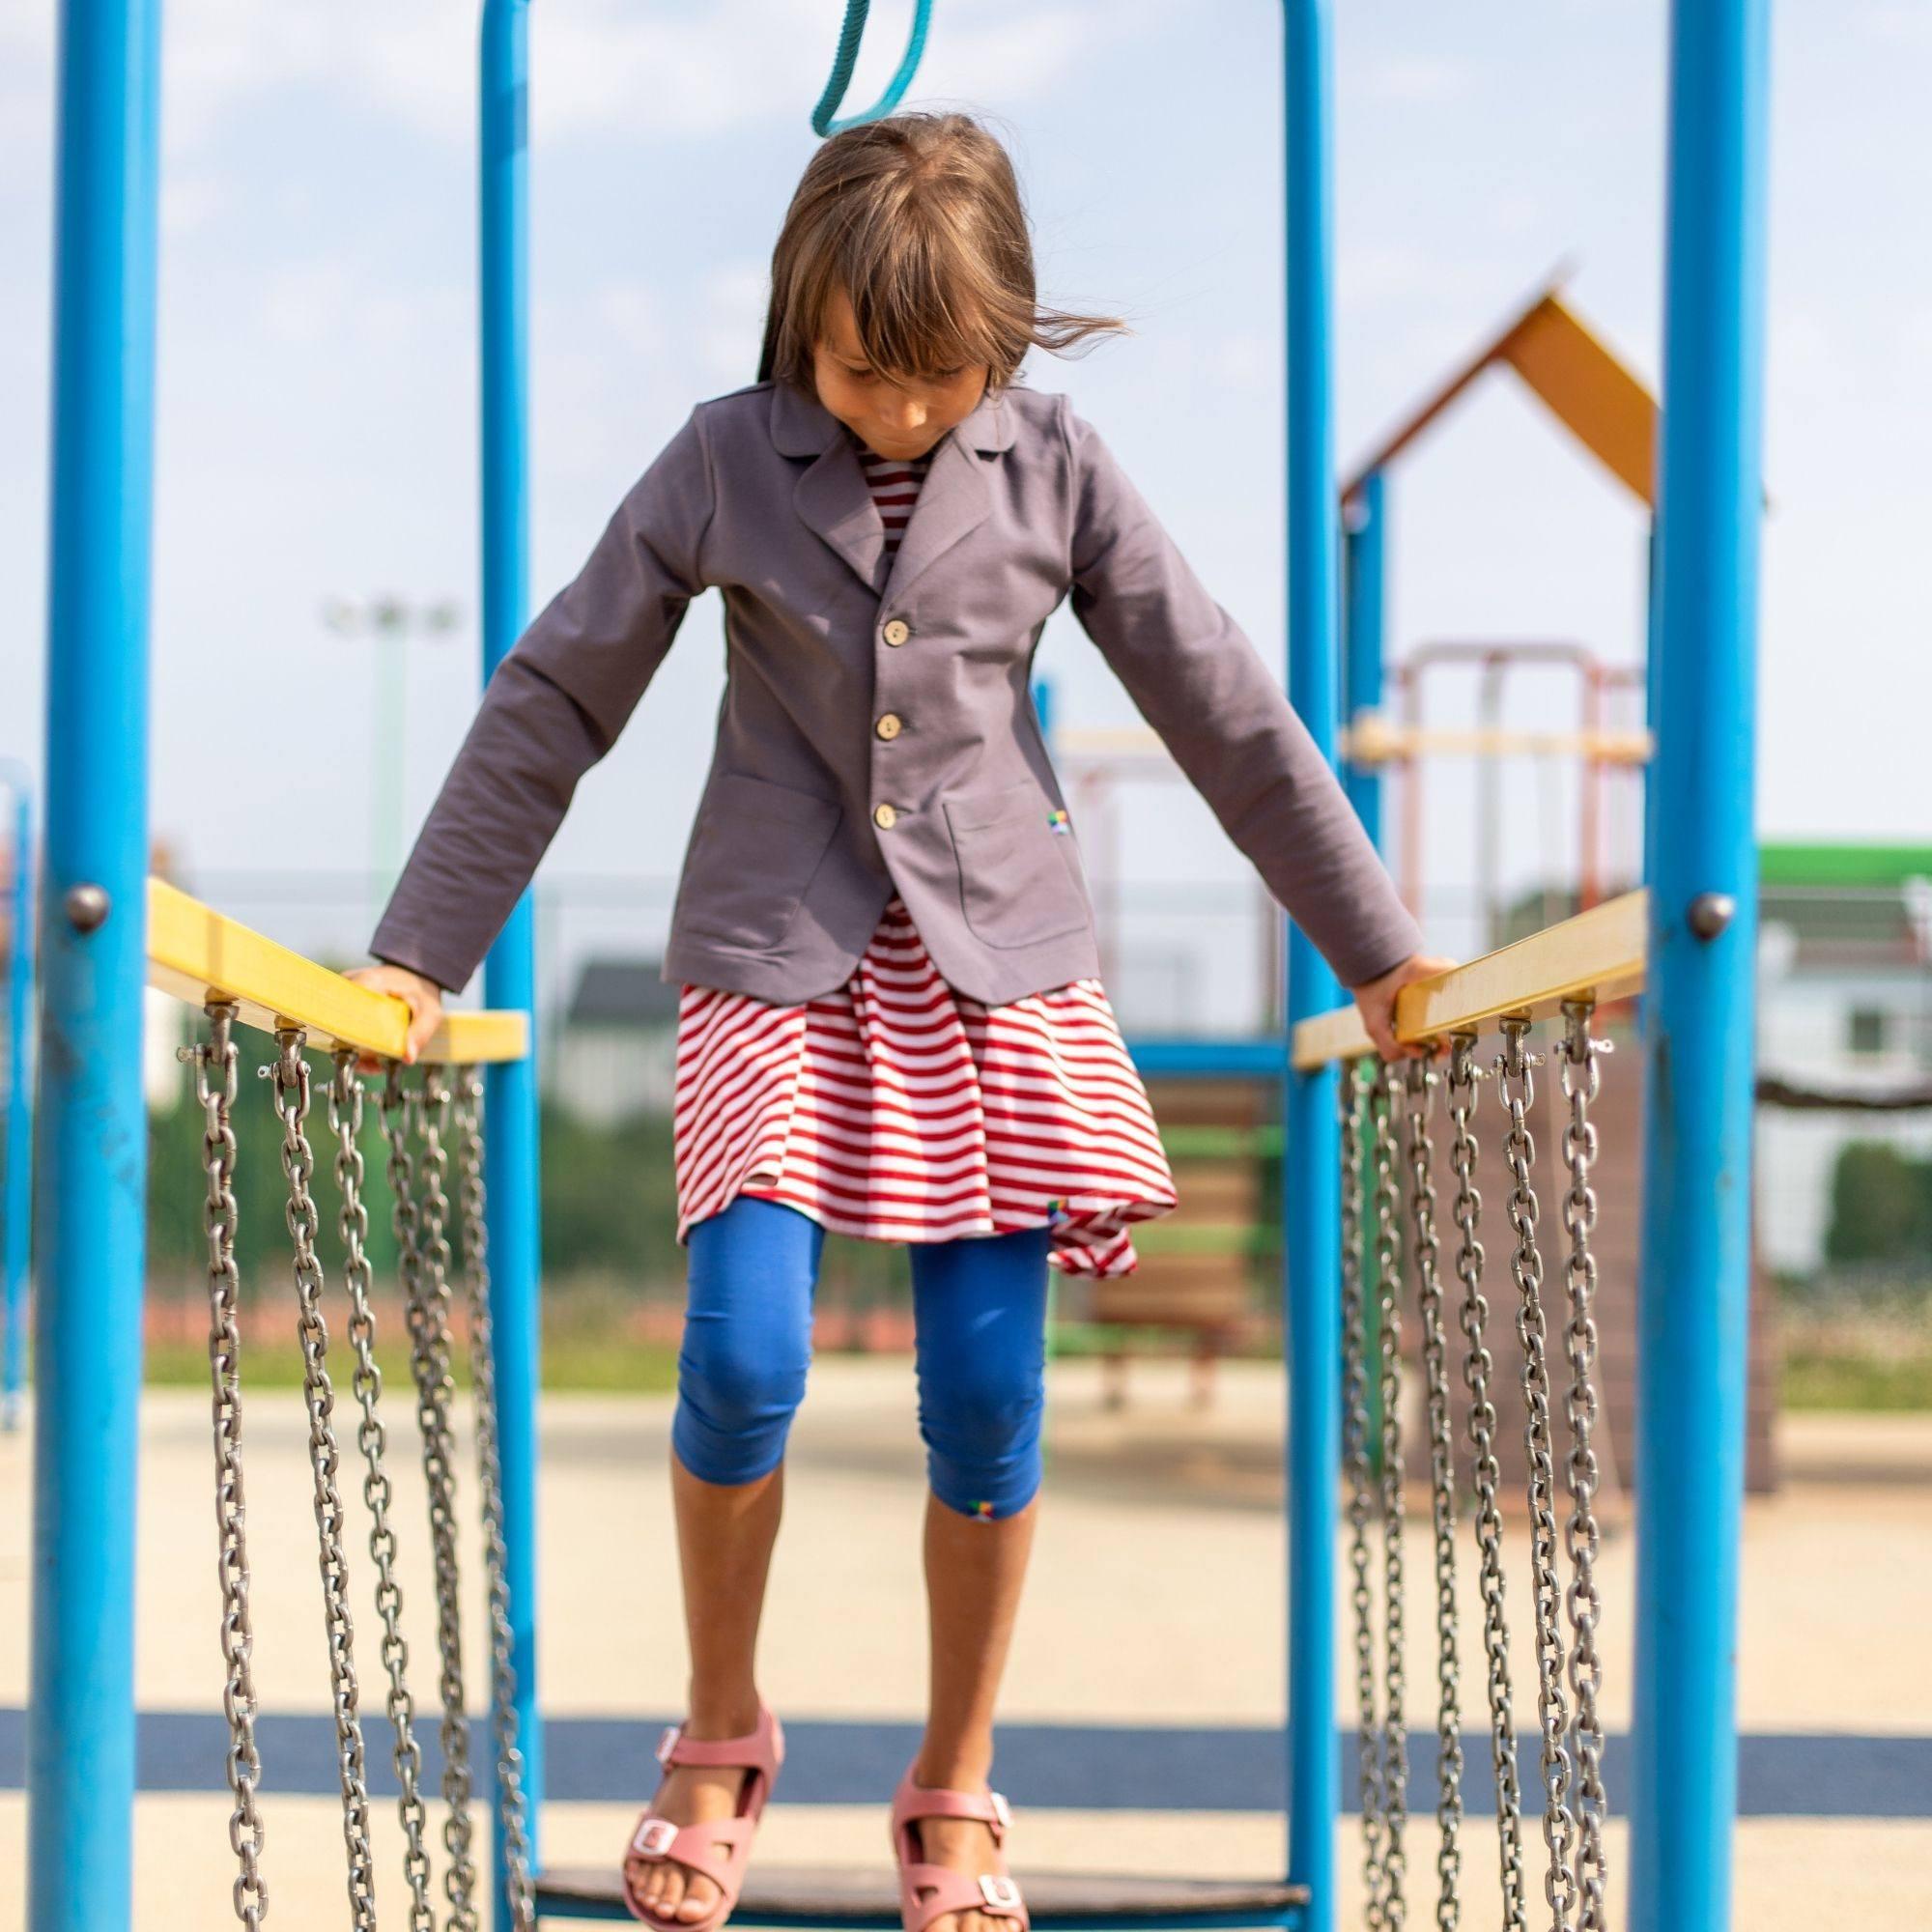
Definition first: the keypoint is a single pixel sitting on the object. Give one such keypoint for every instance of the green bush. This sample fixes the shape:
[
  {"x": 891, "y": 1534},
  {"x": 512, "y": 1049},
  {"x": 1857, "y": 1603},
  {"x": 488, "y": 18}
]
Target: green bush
[{"x": 1881, "y": 1205}]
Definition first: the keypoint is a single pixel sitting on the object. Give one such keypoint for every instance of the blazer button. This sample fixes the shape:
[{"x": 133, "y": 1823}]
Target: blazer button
[
  {"x": 889, "y": 727},
  {"x": 897, "y": 631},
  {"x": 884, "y": 818}
]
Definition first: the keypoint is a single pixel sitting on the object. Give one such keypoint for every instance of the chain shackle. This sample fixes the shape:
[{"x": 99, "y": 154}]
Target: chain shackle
[
  {"x": 1579, "y": 1069},
  {"x": 512, "y": 1808},
  {"x": 1426, "y": 1247},
  {"x": 1517, "y": 1088},
  {"x": 1358, "y": 1470},
  {"x": 345, "y": 1120},
  {"x": 1478, "y": 1368},
  {"x": 290, "y": 1089}
]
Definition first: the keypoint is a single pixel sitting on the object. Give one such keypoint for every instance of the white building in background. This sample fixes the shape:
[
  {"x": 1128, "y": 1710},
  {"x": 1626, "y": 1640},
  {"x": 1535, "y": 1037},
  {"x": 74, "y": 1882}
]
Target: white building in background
[
  {"x": 615, "y": 1053},
  {"x": 1844, "y": 1004}
]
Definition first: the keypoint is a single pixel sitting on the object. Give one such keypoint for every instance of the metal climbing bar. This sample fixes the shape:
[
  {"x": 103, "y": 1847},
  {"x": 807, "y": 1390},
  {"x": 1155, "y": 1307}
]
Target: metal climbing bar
[
  {"x": 1600, "y": 954},
  {"x": 199, "y": 955}
]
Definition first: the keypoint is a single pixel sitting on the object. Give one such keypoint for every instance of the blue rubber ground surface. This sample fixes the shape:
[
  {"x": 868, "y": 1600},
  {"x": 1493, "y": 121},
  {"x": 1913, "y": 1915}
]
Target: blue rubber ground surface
[{"x": 1071, "y": 1766}]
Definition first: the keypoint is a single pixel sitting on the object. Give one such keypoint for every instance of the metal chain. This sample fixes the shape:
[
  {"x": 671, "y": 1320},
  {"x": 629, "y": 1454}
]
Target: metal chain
[
  {"x": 511, "y": 1807},
  {"x": 1581, "y": 1073},
  {"x": 291, "y": 1078},
  {"x": 1517, "y": 1088},
  {"x": 1426, "y": 1247},
  {"x": 216, "y": 1095},
  {"x": 424, "y": 1250},
  {"x": 1353, "y": 1090},
  {"x": 1385, "y": 1109},
  {"x": 1478, "y": 1366},
  {"x": 345, "y": 1119}
]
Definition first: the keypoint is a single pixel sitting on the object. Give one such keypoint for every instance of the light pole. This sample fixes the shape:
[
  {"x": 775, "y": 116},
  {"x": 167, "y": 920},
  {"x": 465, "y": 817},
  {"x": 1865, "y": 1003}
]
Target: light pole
[{"x": 390, "y": 621}]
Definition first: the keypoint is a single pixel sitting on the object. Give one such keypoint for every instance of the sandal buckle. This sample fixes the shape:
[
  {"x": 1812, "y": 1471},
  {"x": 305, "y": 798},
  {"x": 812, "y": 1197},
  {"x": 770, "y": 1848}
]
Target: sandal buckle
[
  {"x": 668, "y": 1744},
  {"x": 1000, "y": 1892},
  {"x": 654, "y": 1837}
]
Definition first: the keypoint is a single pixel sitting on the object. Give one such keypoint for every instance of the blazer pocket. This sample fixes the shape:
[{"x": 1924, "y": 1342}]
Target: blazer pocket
[
  {"x": 752, "y": 855},
  {"x": 1017, "y": 883}
]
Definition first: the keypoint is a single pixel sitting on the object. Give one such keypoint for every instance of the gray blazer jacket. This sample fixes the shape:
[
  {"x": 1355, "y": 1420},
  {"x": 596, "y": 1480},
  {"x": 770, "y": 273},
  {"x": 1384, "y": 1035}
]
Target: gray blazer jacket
[{"x": 877, "y": 732}]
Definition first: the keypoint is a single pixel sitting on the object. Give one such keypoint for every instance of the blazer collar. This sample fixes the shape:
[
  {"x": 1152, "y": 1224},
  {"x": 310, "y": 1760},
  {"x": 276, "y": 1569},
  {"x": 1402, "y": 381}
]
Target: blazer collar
[
  {"x": 833, "y": 500},
  {"x": 803, "y": 426}
]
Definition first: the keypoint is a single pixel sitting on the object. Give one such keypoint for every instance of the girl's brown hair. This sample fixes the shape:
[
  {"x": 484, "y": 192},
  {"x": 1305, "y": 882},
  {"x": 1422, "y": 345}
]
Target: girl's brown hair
[{"x": 918, "y": 217}]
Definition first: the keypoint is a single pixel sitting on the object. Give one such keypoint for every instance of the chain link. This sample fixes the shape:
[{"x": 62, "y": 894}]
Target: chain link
[
  {"x": 1426, "y": 1247},
  {"x": 345, "y": 1120},
  {"x": 1478, "y": 1366},
  {"x": 424, "y": 1258},
  {"x": 513, "y": 1821},
  {"x": 214, "y": 1063},
  {"x": 1353, "y": 1090},
  {"x": 291, "y": 1078},
  {"x": 1581, "y": 1073},
  {"x": 1385, "y": 1109},
  {"x": 1517, "y": 1088}
]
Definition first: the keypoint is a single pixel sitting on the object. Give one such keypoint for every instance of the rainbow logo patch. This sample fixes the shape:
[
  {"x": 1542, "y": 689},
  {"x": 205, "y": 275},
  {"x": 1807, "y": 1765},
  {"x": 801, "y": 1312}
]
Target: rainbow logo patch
[{"x": 1055, "y": 821}]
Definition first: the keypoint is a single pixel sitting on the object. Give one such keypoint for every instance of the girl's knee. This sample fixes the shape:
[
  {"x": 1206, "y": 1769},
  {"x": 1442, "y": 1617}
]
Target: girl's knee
[
  {"x": 982, "y": 1429},
  {"x": 746, "y": 1340}
]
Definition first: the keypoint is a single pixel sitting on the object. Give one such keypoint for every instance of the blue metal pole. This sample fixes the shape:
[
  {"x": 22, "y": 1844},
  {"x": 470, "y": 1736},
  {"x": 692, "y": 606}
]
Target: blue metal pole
[
  {"x": 1310, "y": 1183},
  {"x": 1365, "y": 546},
  {"x": 93, "y": 1157},
  {"x": 509, "y": 975},
  {"x": 1694, "y": 1289},
  {"x": 17, "y": 1206}
]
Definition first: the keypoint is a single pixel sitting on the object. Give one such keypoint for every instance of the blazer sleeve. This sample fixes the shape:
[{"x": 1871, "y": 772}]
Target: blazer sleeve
[
  {"x": 556, "y": 704},
  {"x": 1200, "y": 682}
]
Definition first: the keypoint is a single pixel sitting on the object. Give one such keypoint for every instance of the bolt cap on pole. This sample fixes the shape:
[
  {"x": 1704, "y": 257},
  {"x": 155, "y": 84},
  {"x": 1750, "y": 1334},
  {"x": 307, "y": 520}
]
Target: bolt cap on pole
[
  {"x": 87, "y": 907},
  {"x": 1710, "y": 913}
]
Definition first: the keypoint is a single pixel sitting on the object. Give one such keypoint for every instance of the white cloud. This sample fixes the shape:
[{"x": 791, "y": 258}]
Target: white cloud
[
  {"x": 609, "y": 67},
  {"x": 1418, "y": 81}
]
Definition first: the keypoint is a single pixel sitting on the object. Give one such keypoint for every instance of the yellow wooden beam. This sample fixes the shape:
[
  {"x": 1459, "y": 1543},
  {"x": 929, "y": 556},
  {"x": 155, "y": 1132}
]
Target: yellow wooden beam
[
  {"x": 1589, "y": 392},
  {"x": 198, "y": 954},
  {"x": 1599, "y": 953},
  {"x": 1376, "y": 739}
]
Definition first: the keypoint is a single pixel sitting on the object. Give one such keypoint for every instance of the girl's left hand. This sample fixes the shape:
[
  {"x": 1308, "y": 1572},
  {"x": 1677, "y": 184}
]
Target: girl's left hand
[{"x": 1376, "y": 1003}]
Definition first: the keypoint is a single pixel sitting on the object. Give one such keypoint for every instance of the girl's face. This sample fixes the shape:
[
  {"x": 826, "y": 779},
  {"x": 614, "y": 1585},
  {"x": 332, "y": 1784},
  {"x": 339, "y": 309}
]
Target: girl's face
[{"x": 896, "y": 419}]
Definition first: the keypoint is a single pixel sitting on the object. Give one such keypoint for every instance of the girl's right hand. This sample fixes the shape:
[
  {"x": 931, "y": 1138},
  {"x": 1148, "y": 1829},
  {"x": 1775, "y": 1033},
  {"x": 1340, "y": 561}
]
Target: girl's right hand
[{"x": 425, "y": 1003}]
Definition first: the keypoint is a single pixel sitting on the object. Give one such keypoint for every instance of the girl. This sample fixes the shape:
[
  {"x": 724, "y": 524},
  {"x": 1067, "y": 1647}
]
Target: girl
[{"x": 891, "y": 1023}]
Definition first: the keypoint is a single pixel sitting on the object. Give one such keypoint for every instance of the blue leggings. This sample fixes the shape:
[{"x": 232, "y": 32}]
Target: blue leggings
[{"x": 980, "y": 1311}]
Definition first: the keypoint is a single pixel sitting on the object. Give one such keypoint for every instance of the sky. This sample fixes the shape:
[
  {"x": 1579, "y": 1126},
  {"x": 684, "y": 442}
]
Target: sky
[{"x": 316, "y": 430}]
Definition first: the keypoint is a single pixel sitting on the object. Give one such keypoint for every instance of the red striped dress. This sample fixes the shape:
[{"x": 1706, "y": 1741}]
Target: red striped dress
[{"x": 897, "y": 1109}]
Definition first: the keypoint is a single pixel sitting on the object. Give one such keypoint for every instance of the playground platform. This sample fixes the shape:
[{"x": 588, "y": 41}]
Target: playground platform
[{"x": 1147, "y": 1672}]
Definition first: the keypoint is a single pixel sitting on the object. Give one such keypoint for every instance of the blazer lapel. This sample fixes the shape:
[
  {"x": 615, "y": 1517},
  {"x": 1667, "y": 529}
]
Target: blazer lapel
[
  {"x": 832, "y": 498},
  {"x": 955, "y": 497},
  {"x": 830, "y": 494}
]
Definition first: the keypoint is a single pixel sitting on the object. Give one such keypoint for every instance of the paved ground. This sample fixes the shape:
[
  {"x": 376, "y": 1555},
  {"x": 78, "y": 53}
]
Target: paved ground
[{"x": 1154, "y": 1603}]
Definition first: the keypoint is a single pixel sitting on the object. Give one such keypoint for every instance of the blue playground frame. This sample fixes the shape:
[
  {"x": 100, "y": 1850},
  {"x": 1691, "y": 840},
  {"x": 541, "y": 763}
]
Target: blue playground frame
[{"x": 92, "y": 1129}]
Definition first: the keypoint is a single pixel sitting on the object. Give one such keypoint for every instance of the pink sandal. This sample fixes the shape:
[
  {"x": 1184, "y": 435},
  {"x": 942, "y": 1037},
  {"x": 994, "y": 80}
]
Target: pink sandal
[
  {"x": 993, "y": 1893},
  {"x": 761, "y": 1752}
]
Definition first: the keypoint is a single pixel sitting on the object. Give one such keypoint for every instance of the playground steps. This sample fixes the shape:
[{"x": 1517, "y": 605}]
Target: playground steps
[{"x": 1196, "y": 1275}]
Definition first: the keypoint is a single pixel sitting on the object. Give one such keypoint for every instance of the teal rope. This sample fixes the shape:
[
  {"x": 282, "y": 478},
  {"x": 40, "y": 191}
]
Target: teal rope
[{"x": 843, "y": 61}]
